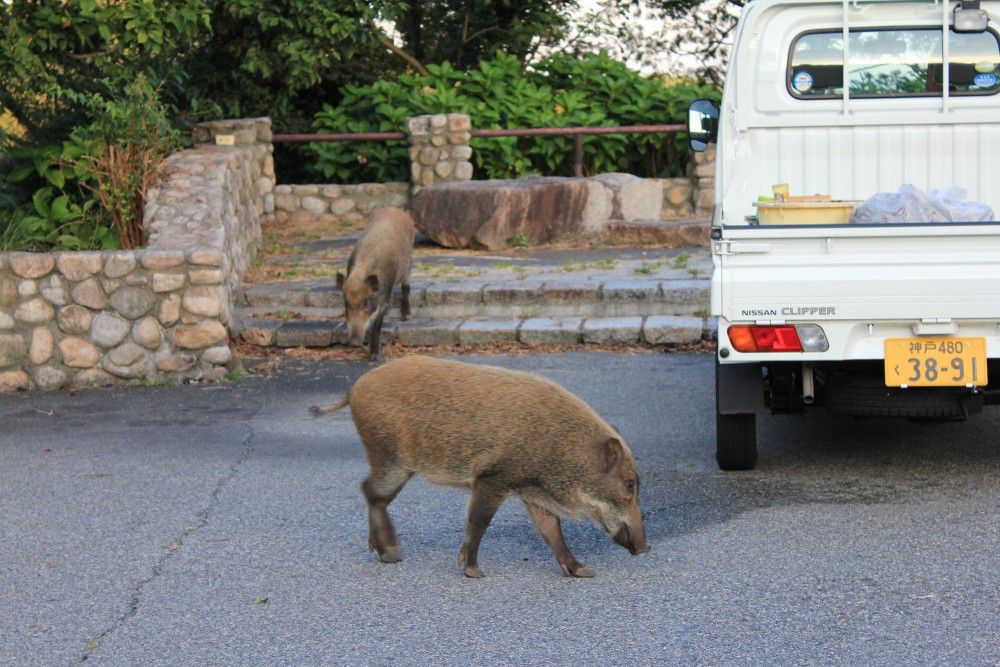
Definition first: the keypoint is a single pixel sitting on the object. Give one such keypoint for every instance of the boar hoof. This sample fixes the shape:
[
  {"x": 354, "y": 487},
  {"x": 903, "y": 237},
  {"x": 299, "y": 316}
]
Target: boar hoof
[
  {"x": 375, "y": 357},
  {"x": 471, "y": 571},
  {"x": 581, "y": 571},
  {"x": 390, "y": 555}
]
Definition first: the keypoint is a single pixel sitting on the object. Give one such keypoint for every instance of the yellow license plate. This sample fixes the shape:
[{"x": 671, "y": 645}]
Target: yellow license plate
[{"x": 935, "y": 362}]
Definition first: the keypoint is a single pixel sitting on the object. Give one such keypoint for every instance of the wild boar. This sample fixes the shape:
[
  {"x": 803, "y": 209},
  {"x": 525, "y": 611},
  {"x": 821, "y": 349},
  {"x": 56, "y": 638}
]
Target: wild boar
[
  {"x": 380, "y": 260},
  {"x": 498, "y": 433}
]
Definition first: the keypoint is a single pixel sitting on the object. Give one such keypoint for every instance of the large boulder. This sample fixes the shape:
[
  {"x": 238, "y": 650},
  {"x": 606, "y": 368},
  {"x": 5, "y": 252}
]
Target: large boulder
[
  {"x": 491, "y": 214},
  {"x": 633, "y": 198}
]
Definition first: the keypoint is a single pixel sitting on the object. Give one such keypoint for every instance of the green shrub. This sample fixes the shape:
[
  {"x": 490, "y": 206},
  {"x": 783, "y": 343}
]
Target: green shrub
[
  {"x": 561, "y": 91},
  {"x": 62, "y": 214},
  {"x": 96, "y": 180},
  {"x": 121, "y": 154},
  {"x": 12, "y": 234}
]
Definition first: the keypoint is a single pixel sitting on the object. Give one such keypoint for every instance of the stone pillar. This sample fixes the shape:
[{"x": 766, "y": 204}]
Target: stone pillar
[
  {"x": 701, "y": 171},
  {"x": 439, "y": 149},
  {"x": 234, "y": 132},
  {"x": 245, "y": 132}
]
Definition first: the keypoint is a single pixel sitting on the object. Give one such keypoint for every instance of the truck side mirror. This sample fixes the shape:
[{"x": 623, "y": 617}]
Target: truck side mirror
[{"x": 703, "y": 124}]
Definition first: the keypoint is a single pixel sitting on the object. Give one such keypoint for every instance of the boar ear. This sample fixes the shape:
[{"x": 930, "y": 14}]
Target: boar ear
[
  {"x": 609, "y": 454},
  {"x": 372, "y": 281},
  {"x": 340, "y": 280}
]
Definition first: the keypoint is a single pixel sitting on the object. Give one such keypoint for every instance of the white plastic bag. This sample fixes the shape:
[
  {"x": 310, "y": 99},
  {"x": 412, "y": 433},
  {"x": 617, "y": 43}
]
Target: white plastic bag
[
  {"x": 911, "y": 204},
  {"x": 952, "y": 199}
]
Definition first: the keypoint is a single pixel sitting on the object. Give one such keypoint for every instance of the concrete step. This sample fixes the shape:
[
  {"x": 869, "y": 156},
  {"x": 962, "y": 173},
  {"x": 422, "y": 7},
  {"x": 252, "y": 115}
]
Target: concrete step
[
  {"x": 652, "y": 330},
  {"x": 513, "y": 299},
  {"x": 667, "y": 233}
]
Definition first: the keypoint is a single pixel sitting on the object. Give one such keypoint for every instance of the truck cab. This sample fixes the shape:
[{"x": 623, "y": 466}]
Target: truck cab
[{"x": 868, "y": 320}]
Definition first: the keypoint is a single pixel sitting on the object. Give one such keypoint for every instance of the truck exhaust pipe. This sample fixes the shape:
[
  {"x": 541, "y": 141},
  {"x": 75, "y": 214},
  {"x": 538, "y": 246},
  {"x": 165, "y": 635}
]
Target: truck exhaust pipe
[{"x": 808, "y": 385}]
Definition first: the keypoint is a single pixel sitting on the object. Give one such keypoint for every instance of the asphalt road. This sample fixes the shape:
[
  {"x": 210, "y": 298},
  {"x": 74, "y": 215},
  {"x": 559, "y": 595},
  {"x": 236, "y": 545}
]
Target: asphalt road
[{"x": 222, "y": 526}]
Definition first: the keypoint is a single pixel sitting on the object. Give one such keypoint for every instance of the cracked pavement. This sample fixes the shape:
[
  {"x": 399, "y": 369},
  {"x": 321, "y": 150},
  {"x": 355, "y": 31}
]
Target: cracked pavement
[{"x": 220, "y": 525}]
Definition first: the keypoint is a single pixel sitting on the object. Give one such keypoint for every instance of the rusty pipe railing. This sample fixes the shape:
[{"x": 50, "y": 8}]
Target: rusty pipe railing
[
  {"x": 337, "y": 136},
  {"x": 578, "y": 133}
]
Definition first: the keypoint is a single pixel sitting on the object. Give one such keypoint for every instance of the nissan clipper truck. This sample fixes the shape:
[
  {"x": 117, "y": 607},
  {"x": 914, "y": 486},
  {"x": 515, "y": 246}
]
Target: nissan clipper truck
[{"x": 870, "y": 320}]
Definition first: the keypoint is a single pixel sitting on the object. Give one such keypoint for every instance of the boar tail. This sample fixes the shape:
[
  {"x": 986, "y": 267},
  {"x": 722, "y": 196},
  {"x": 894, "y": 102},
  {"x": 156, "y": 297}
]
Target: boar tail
[{"x": 317, "y": 411}]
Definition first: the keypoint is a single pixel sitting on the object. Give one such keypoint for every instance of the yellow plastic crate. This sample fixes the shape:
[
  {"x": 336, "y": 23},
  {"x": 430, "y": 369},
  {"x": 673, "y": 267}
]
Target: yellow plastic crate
[{"x": 805, "y": 213}]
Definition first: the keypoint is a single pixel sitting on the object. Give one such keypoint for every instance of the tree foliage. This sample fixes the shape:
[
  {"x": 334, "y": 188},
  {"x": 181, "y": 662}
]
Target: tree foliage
[
  {"x": 463, "y": 33},
  {"x": 561, "y": 91},
  {"x": 282, "y": 58},
  {"x": 700, "y": 30},
  {"x": 49, "y": 47}
]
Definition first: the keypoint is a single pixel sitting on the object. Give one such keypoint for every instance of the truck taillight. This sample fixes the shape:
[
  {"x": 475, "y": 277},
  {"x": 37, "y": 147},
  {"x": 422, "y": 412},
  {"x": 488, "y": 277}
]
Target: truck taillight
[{"x": 778, "y": 338}]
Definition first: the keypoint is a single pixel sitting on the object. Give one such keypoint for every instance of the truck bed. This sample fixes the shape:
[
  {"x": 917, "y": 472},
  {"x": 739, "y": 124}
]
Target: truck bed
[{"x": 861, "y": 283}]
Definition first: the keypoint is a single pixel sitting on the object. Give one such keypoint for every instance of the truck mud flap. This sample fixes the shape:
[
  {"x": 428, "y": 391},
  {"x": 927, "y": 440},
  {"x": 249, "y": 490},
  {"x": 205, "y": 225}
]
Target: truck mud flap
[{"x": 739, "y": 388}]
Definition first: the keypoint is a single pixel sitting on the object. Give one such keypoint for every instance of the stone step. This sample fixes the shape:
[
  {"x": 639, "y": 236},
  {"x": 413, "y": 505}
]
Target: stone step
[
  {"x": 514, "y": 299},
  {"x": 669, "y": 233},
  {"x": 652, "y": 329}
]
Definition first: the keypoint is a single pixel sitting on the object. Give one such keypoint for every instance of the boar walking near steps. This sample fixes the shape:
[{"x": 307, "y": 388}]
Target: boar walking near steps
[
  {"x": 498, "y": 433},
  {"x": 380, "y": 261}
]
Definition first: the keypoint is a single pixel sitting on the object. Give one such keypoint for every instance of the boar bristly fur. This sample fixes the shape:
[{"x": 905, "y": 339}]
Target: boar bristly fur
[
  {"x": 380, "y": 260},
  {"x": 498, "y": 433}
]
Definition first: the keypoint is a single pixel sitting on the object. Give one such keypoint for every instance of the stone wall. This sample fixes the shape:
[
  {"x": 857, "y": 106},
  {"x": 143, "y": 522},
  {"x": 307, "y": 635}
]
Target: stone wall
[
  {"x": 158, "y": 313},
  {"x": 336, "y": 202},
  {"x": 678, "y": 198},
  {"x": 701, "y": 172},
  {"x": 330, "y": 203}
]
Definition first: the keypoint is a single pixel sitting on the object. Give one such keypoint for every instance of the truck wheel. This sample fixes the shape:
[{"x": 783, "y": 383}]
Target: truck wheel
[{"x": 736, "y": 441}]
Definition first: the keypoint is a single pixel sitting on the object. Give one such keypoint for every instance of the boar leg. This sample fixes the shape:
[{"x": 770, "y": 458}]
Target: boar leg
[
  {"x": 404, "y": 309},
  {"x": 547, "y": 524},
  {"x": 380, "y": 488},
  {"x": 486, "y": 499},
  {"x": 375, "y": 338}
]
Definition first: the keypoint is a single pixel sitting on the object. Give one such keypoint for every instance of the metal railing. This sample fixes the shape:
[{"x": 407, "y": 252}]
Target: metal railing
[{"x": 577, "y": 132}]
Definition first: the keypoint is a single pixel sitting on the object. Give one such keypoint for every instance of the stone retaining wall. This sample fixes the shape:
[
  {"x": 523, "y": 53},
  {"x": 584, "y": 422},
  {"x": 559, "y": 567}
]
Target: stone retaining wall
[
  {"x": 329, "y": 203},
  {"x": 336, "y": 202},
  {"x": 678, "y": 199},
  {"x": 159, "y": 313},
  {"x": 701, "y": 172}
]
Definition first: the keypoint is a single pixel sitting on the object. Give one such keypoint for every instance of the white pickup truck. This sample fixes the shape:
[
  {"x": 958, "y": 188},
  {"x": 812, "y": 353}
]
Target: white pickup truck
[{"x": 876, "y": 320}]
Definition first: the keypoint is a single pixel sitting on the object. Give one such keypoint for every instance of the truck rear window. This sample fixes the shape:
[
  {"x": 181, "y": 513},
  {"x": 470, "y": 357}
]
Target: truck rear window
[{"x": 897, "y": 62}]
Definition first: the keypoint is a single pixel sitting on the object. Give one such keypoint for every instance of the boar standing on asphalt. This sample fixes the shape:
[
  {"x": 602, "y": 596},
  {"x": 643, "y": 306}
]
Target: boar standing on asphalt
[
  {"x": 380, "y": 261},
  {"x": 499, "y": 433}
]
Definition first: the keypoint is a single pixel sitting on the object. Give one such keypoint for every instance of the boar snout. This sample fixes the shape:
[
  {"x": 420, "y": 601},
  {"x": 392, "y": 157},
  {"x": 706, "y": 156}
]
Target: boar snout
[
  {"x": 635, "y": 546},
  {"x": 632, "y": 533},
  {"x": 356, "y": 330}
]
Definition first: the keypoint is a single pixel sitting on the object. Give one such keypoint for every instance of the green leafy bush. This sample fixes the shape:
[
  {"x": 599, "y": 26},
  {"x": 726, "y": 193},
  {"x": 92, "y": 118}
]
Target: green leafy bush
[
  {"x": 95, "y": 182},
  {"x": 561, "y": 91},
  {"x": 117, "y": 157},
  {"x": 62, "y": 214},
  {"x": 11, "y": 231}
]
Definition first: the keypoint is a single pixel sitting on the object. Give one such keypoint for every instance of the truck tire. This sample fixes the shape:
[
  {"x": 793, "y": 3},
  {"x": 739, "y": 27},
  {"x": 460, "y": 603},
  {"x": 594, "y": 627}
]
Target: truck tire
[
  {"x": 867, "y": 396},
  {"x": 736, "y": 441}
]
